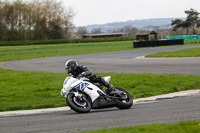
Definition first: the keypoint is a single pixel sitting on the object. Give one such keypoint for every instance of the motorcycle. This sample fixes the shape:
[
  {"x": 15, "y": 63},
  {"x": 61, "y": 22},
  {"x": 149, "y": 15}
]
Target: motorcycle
[{"x": 82, "y": 95}]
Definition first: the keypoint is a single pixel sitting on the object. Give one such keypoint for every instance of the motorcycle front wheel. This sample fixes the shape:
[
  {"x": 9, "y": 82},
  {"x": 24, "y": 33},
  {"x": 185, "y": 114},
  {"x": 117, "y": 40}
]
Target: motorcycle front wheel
[
  {"x": 124, "y": 103},
  {"x": 80, "y": 105}
]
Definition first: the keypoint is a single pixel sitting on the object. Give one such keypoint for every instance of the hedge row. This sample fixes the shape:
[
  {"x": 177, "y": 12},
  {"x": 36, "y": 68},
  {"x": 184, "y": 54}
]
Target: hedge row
[{"x": 63, "y": 41}]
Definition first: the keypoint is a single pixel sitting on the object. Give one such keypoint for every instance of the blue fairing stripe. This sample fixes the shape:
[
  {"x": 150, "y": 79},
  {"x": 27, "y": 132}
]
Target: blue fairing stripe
[{"x": 81, "y": 86}]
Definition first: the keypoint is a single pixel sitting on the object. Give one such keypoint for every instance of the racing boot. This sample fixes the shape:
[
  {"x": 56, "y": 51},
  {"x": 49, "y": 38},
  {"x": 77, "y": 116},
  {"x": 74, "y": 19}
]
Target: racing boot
[
  {"x": 110, "y": 88},
  {"x": 107, "y": 85}
]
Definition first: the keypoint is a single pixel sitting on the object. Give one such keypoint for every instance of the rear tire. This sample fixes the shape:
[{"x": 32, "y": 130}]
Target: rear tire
[
  {"x": 73, "y": 104},
  {"x": 124, "y": 104}
]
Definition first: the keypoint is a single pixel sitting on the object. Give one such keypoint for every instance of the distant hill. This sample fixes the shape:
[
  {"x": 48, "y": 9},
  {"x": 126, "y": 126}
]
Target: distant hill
[{"x": 143, "y": 24}]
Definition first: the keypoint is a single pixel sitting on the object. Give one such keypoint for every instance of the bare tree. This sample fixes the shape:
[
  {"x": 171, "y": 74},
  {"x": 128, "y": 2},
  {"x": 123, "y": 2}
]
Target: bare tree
[
  {"x": 52, "y": 19},
  {"x": 36, "y": 19},
  {"x": 96, "y": 31},
  {"x": 81, "y": 31},
  {"x": 131, "y": 31},
  {"x": 2, "y": 23}
]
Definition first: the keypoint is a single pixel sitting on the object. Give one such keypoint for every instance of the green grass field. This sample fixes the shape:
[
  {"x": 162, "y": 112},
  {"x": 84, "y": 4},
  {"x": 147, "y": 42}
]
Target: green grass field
[
  {"x": 183, "y": 127},
  {"x": 192, "y": 41},
  {"x": 195, "y": 52},
  {"x": 181, "y": 53},
  {"x": 29, "y": 90},
  {"x": 8, "y": 53}
]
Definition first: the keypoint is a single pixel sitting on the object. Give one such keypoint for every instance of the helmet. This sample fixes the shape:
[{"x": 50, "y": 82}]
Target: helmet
[{"x": 70, "y": 66}]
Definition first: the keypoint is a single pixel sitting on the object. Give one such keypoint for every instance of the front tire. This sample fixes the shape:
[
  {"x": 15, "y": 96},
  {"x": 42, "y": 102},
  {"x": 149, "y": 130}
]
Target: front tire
[
  {"x": 80, "y": 106},
  {"x": 124, "y": 104}
]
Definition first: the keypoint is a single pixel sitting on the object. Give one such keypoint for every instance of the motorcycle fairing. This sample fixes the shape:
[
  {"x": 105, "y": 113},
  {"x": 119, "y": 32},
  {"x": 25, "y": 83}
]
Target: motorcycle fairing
[
  {"x": 81, "y": 86},
  {"x": 101, "y": 102},
  {"x": 85, "y": 86},
  {"x": 92, "y": 91}
]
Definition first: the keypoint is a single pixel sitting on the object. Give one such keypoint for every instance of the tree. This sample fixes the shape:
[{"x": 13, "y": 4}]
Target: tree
[
  {"x": 36, "y": 19},
  {"x": 2, "y": 24},
  {"x": 191, "y": 21},
  {"x": 81, "y": 31},
  {"x": 177, "y": 23},
  {"x": 192, "y": 18},
  {"x": 186, "y": 25},
  {"x": 51, "y": 16},
  {"x": 198, "y": 23},
  {"x": 96, "y": 31},
  {"x": 131, "y": 31}
]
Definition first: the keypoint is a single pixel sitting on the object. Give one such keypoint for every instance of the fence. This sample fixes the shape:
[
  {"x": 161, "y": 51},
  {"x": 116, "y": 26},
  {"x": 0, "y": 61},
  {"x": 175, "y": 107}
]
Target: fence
[{"x": 185, "y": 37}]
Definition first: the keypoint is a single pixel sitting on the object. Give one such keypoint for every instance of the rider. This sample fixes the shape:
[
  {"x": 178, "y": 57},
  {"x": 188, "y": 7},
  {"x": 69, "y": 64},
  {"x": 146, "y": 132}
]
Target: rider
[{"x": 72, "y": 68}]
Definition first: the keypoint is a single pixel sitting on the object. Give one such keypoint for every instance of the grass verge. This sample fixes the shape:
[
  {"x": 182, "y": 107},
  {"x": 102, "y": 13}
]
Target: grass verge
[
  {"x": 31, "y": 90},
  {"x": 183, "y": 127},
  {"x": 195, "y": 52},
  {"x": 8, "y": 53},
  {"x": 191, "y": 41}
]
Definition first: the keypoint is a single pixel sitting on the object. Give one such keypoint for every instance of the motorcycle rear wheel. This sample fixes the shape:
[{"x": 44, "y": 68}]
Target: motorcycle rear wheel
[
  {"x": 124, "y": 104},
  {"x": 83, "y": 106}
]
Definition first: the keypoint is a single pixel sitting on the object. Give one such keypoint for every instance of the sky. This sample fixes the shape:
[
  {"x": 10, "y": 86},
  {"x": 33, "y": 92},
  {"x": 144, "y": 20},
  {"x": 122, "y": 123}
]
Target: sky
[{"x": 89, "y": 12}]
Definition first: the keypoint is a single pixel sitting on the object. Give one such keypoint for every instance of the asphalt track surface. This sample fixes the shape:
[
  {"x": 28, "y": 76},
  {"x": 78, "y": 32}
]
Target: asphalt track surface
[
  {"x": 163, "y": 111},
  {"x": 117, "y": 62}
]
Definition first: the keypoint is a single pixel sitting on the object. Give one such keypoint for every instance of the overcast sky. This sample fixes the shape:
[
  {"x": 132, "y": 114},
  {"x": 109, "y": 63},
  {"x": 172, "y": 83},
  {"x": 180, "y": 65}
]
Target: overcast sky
[{"x": 104, "y": 11}]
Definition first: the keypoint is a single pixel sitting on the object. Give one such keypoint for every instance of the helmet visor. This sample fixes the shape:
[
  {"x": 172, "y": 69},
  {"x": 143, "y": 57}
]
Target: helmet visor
[{"x": 68, "y": 69}]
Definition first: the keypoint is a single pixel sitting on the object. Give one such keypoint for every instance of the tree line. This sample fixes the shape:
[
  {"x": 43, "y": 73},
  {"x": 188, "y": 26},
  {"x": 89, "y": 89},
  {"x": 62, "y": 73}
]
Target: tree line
[
  {"x": 131, "y": 31},
  {"x": 34, "y": 20},
  {"x": 190, "y": 24},
  {"x": 48, "y": 19}
]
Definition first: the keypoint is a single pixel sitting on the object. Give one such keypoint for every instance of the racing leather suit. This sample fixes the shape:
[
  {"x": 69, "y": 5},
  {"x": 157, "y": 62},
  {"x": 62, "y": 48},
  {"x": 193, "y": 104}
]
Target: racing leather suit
[{"x": 83, "y": 71}]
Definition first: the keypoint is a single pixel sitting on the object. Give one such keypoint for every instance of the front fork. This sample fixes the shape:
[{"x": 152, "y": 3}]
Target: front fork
[{"x": 78, "y": 95}]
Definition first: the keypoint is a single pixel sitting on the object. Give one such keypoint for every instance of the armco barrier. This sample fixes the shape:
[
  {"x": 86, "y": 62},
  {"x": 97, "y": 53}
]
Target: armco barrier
[{"x": 138, "y": 44}]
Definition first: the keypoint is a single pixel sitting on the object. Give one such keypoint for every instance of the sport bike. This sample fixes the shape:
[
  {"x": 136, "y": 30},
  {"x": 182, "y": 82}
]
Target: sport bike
[{"x": 82, "y": 95}]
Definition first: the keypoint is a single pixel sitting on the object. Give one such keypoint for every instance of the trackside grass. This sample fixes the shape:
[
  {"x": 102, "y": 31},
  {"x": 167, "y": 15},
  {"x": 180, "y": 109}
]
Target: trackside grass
[
  {"x": 8, "y": 53},
  {"x": 191, "y": 41},
  {"x": 183, "y": 127},
  {"x": 31, "y": 90},
  {"x": 195, "y": 52}
]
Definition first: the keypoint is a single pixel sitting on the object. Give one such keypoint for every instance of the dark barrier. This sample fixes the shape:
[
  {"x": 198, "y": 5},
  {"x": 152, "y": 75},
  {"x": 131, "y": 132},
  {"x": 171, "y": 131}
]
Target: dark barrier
[{"x": 138, "y": 44}]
